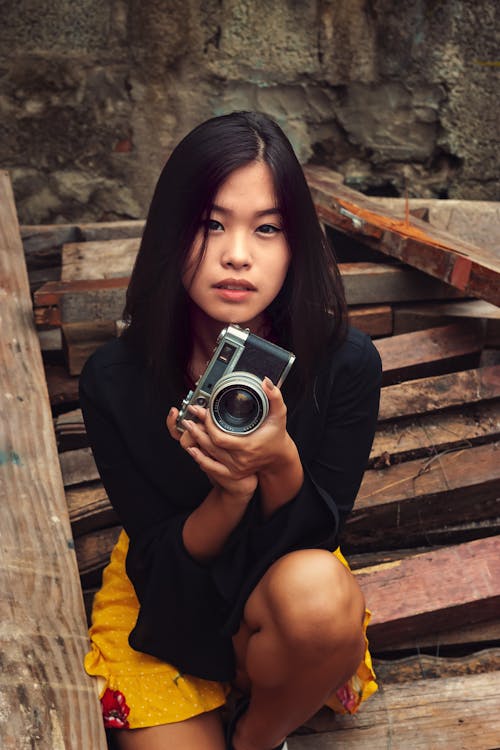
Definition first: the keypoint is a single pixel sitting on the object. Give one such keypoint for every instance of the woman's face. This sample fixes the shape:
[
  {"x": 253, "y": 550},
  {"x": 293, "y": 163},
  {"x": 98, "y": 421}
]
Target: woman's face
[{"x": 247, "y": 255}]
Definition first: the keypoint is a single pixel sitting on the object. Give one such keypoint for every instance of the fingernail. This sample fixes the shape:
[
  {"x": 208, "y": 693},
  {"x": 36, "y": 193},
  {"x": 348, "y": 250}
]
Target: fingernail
[
  {"x": 171, "y": 412},
  {"x": 269, "y": 383}
]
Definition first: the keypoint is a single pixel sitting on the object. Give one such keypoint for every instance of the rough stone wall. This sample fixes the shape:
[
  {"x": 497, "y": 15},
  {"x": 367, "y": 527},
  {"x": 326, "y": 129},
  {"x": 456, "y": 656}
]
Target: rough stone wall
[{"x": 395, "y": 95}]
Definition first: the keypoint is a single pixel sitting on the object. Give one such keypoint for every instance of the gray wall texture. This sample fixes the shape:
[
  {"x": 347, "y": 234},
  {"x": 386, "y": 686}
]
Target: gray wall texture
[{"x": 395, "y": 95}]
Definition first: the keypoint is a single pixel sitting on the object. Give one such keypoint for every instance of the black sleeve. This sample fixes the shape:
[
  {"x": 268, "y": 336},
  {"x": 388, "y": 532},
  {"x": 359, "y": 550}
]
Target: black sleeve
[
  {"x": 180, "y": 608},
  {"x": 333, "y": 432}
]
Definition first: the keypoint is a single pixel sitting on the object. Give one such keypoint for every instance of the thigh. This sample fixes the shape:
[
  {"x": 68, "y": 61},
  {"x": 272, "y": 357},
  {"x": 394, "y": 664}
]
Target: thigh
[{"x": 203, "y": 732}]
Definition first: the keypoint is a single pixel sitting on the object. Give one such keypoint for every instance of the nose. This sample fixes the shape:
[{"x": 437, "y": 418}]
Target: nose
[{"x": 237, "y": 252}]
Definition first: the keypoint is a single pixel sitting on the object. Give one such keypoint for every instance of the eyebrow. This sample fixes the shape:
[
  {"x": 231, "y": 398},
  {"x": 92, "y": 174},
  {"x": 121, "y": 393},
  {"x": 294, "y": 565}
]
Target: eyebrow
[{"x": 264, "y": 212}]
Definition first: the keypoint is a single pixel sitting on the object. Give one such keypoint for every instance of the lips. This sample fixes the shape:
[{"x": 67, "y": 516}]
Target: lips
[{"x": 237, "y": 285}]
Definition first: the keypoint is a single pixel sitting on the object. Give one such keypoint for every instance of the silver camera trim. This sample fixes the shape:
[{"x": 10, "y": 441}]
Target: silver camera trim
[
  {"x": 240, "y": 378},
  {"x": 231, "y": 334}
]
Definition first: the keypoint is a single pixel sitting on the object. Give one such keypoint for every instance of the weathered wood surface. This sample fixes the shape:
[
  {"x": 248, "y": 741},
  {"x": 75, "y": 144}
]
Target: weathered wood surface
[
  {"x": 424, "y": 593},
  {"x": 427, "y": 435},
  {"x": 375, "y": 320},
  {"x": 63, "y": 388},
  {"x": 89, "y": 509},
  {"x": 471, "y": 269},
  {"x": 78, "y": 466},
  {"x": 453, "y": 713},
  {"x": 409, "y": 501},
  {"x": 477, "y": 634},
  {"x": 415, "y": 317},
  {"x": 47, "y": 700},
  {"x": 60, "y": 302},
  {"x": 413, "y": 354},
  {"x": 99, "y": 260},
  {"x": 80, "y": 340},
  {"x": 425, "y": 395},
  {"x": 477, "y": 222},
  {"x": 431, "y": 666}
]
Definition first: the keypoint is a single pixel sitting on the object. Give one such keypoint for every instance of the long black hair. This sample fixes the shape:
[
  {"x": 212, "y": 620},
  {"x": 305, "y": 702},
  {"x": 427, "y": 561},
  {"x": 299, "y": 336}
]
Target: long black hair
[{"x": 310, "y": 307}]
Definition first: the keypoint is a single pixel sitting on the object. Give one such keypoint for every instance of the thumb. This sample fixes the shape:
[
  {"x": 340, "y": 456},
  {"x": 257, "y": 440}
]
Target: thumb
[{"x": 276, "y": 404}]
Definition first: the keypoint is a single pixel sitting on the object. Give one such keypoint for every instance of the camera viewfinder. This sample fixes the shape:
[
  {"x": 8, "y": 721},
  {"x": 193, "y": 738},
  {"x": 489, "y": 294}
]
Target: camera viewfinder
[{"x": 226, "y": 353}]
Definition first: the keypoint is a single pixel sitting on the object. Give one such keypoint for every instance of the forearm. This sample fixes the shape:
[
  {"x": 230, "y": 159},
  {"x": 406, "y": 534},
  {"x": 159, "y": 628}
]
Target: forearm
[
  {"x": 280, "y": 481},
  {"x": 208, "y": 527}
]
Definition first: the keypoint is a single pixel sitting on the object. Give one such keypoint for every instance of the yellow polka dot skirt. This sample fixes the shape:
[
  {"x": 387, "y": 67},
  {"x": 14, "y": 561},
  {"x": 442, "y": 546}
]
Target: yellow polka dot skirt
[{"x": 138, "y": 690}]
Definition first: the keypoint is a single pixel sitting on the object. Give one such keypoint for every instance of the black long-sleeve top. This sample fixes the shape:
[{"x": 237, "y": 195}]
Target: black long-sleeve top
[{"x": 188, "y": 610}]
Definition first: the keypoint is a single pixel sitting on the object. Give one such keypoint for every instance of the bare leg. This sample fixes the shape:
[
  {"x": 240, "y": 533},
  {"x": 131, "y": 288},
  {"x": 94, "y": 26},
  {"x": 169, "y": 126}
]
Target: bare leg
[
  {"x": 202, "y": 732},
  {"x": 301, "y": 639}
]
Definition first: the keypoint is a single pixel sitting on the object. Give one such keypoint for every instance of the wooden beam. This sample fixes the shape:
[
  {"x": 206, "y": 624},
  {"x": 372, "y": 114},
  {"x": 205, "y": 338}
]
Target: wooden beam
[
  {"x": 375, "y": 320},
  {"x": 422, "y": 352},
  {"x": 423, "y": 594},
  {"x": 47, "y": 698},
  {"x": 77, "y": 301},
  {"x": 407, "y": 501},
  {"x": 375, "y": 283},
  {"x": 102, "y": 259},
  {"x": 475, "y": 271},
  {"x": 477, "y": 222},
  {"x": 89, "y": 509},
  {"x": 439, "y": 392},
  {"x": 80, "y": 340},
  {"x": 426, "y": 714},
  {"x": 429, "y": 434},
  {"x": 408, "y": 318}
]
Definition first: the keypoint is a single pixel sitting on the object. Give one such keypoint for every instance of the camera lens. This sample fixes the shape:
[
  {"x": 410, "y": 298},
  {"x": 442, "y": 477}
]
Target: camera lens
[{"x": 238, "y": 403}]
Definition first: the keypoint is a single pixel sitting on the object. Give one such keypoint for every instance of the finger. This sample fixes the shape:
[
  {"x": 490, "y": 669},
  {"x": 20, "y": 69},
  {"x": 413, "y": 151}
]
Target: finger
[
  {"x": 171, "y": 423},
  {"x": 199, "y": 435},
  {"x": 209, "y": 464},
  {"x": 277, "y": 406}
]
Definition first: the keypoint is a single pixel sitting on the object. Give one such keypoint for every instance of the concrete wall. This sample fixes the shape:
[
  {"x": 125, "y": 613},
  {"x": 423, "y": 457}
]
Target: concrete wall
[{"x": 94, "y": 94}]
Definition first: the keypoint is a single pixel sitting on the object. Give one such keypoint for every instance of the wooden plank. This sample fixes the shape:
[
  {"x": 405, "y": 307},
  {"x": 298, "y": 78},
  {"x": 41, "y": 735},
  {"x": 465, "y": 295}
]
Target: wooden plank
[
  {"x": 427, "y": 666},
  {"x": 477, "y": 222},
  {"x": 375, "y": 320},
  {"x": 89, "y": 509},
  {"x": 415, "y": 317},
  {"x": 78, "y": 466},
  {"x": 80, "y": 340},
  {"x": 407, "y": 501},
  {"x": 47, "y": 698},
  {"x": 415, "y": 354},
  {"x": 93, "y": 551},
  {"x": 461, "y": 712},
  {"x": 473, "y": 270},
  {"x": 374, "y": 283},
  {"x": 70, "y": 430},
  {"x": 434, "y": 433},
  {"x": 477, "y": 634},
  {"x": 99, "y": 260},
  {"x": 439, "y": 392},
  {"x": 63, "y": 388},
  {"x": 76, "y": 301},
  {"x": 424, "y": 593}
]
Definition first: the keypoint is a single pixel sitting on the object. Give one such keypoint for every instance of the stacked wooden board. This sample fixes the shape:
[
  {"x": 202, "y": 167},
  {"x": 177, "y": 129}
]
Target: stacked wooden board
[{"x": 423, "y": 537}]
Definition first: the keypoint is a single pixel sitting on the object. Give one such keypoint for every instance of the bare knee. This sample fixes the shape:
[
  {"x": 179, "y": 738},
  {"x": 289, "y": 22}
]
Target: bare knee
[{"x": 314, "y": 602}]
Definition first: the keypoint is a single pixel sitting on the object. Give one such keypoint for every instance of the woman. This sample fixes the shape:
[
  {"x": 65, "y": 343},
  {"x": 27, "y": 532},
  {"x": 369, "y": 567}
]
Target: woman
[{"x": 223, "y": 576}]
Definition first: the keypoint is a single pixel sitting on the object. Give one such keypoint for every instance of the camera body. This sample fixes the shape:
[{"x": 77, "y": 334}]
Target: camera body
[{"x": 231, "y": 386}]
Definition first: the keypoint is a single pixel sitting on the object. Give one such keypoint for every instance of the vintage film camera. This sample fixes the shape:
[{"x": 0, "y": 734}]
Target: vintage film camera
[{"x": 231, "y": 386}]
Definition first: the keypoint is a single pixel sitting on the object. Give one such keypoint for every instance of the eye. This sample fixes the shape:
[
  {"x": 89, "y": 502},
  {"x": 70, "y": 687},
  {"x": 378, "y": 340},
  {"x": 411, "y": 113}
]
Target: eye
[
  {"x": 214, "y": 226},
  {"x": 268, "y": 229}
]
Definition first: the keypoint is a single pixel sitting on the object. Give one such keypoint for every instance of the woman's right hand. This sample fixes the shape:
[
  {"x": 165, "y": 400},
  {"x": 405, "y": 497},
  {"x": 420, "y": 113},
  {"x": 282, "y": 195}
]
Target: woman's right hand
[{"x": 234, "y": 487}]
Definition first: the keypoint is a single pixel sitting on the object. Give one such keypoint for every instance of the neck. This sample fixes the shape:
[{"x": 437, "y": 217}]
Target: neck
[{"x": 205, "y": 331}]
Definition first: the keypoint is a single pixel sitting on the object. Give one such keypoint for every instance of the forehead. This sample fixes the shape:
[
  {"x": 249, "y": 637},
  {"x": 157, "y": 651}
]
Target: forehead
[{"x": 251, "y": 186}]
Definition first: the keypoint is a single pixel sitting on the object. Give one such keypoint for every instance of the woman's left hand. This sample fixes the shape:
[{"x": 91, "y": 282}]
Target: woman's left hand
[{"x": 243, "y": 454}]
